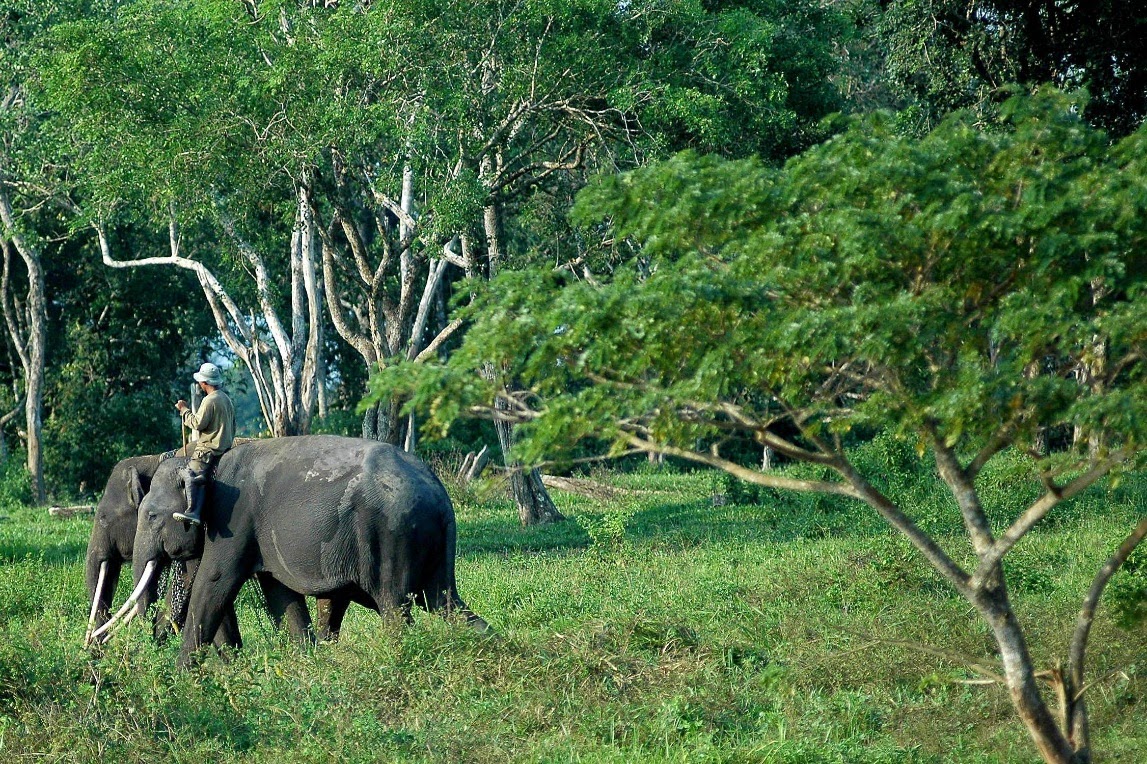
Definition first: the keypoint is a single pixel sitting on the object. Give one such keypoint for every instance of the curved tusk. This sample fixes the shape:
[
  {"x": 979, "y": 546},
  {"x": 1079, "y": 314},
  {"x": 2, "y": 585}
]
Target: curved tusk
[
  {"x": 145, "y": 579},
  {"x": 96, "y": 602}
]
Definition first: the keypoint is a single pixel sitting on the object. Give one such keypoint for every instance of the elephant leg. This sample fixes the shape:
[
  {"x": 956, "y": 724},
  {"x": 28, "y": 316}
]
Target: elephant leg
[
  {"x": 212, "y": 598},
  {"x": 330, "y": 611},
  {"x": 227, "y": 635},
  {"x": 285, "y": 604}
]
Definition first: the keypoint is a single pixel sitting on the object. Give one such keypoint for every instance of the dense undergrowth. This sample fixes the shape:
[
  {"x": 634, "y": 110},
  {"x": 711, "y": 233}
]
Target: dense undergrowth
[{"x": 687, "y": 619}]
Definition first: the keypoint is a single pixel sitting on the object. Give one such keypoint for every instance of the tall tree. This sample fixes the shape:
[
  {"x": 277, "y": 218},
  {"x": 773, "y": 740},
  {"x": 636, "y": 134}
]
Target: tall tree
[
  {"x": 174, "y": 123},
  {"x": 27, "y": 329},
  {"x": 942, "y": 288},
  {"x": 28, "y": 181}
]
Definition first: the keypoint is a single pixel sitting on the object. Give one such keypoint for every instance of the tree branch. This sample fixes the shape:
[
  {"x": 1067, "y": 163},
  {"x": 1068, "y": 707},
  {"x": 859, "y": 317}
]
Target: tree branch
[
  {"x": 1037, "y": 511},
  {"x": 744, "y": 473}
]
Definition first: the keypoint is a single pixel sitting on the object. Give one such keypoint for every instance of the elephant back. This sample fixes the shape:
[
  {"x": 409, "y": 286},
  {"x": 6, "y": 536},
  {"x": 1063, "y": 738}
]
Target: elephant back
[{"x": 324, "y": 474}]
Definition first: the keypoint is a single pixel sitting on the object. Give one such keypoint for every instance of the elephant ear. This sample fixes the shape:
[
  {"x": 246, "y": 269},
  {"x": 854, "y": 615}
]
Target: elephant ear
[{"x": 134, "y": 488}]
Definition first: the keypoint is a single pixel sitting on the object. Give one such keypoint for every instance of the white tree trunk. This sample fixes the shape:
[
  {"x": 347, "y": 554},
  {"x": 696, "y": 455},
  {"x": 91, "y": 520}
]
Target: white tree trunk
[
  {"x": 30, "y": 344},
  {"x": 283, "y": 365}
]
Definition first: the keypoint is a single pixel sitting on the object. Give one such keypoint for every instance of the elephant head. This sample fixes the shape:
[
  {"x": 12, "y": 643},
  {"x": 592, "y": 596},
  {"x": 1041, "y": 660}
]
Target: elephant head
[
  {"x": 129, "y": 526},
  {"x": 112, "y": 540},
  {"x": 160, "y": 540},
  {"x": 159, "y": 536},
  {"x": 139, "y": 541}
]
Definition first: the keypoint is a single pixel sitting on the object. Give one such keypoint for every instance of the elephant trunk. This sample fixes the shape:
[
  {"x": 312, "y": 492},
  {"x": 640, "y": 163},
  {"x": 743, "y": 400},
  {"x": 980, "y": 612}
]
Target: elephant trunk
[{"x": 102, "y": 572}]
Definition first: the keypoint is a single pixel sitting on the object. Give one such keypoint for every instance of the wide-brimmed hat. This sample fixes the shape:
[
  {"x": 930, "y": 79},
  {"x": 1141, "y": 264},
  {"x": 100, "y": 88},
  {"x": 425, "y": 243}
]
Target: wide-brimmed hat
[{"x": 209, "y": 374}]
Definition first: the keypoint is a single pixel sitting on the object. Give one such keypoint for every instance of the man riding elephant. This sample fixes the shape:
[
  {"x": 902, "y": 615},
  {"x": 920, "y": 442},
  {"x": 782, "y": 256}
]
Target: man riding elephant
[{"x": 215, "y": 424}]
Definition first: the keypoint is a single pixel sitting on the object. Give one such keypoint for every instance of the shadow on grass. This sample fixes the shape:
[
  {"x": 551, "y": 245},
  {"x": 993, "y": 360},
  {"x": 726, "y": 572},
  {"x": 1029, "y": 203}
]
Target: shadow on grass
[
  {"x": 498, "y": 535},
  {"x": 52, "y": 553},
  {"x": 677, "y": 523}
]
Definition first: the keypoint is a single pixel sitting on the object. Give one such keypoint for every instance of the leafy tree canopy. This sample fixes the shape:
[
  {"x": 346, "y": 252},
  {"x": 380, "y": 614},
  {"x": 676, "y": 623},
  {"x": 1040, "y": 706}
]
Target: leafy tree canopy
[
  {"x": 976, "y": 284},
  {"x": 968, "y": 291}
]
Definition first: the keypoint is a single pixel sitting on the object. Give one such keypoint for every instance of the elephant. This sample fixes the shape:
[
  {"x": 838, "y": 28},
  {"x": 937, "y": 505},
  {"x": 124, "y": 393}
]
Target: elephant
[
  {"x": 111, "y": 544},
  {"x": 345, "y": 519}
]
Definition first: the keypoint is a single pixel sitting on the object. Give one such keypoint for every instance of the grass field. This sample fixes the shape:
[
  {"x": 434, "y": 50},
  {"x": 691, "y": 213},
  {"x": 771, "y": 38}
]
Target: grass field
[{"x": 660, "y": 625}]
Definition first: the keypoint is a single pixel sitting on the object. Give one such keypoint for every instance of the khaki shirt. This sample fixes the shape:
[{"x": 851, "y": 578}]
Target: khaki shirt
[{"x": 214, "y": 421}]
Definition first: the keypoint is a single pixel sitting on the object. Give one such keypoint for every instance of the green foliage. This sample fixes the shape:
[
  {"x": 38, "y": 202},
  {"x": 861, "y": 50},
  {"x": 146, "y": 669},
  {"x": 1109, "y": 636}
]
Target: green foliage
[
  {"x": 1127, "y": 596},
  {"x": 607, "y": 530},
  {"x": 338, "y": 422},
  {"x": 15, "y": 482},
  {"x": 950, "y": 54},
  {"x": 937, "y": 272}
]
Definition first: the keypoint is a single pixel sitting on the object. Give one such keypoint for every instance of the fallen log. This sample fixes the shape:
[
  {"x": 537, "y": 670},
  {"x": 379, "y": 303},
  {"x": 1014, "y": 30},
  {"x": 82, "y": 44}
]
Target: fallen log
[
  {"x": 72, "y": 511},
  {"x": 582, "y": 487}
]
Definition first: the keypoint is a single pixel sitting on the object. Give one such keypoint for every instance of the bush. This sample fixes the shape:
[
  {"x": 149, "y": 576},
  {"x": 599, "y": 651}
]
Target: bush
[
  {"x": 15, "y": 482},
  {"x": 1128, "y": 591}
]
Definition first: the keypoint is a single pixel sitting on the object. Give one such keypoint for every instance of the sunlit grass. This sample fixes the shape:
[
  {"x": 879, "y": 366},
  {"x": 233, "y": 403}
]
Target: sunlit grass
[{"x": 661, "y": 625}]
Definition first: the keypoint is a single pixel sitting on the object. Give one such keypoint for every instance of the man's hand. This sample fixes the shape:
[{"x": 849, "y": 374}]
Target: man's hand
[{"x": 181, "y": 405}]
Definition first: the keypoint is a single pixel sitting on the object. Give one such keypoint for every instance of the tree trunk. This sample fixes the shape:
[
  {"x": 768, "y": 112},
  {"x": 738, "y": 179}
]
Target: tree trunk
[
  {"x": 381, "y": 422},
  {"x": 535, "y": 507},
  {"x": 768, "y": 457},
  {"x": 1021, "y": 681},
  {"x": 32, "y": 347}
]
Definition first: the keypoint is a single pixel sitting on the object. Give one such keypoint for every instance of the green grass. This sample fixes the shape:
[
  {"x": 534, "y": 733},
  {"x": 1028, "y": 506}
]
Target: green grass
[{"x": 657, "y": 627}]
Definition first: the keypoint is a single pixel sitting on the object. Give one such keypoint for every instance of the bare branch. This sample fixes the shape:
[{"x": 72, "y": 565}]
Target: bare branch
[
  {"x": 964, "y": 491},
  {"x": 432, "y": 348},
  {"x": 1091, "y": 601},
  {"x": 11, "y": 316},
  {"x": 357, "y": 339},
  {"x": 744, "y": 473},
  {"x": 1002, "y": 438},
  {"x": 901, "y": 522},
  {"x": 262, "y": 283},
  {"x": 433, "y": 278}
]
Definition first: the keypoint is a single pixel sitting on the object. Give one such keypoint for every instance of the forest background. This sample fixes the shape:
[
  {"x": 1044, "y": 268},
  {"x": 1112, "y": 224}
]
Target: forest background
[
  {"x": 308, "y": 193},
  {"x": 206, "y": 138}
]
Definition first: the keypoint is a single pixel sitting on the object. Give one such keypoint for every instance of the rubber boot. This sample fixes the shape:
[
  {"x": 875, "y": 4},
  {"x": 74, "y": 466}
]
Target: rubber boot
[{"x": 197, "y": 497}]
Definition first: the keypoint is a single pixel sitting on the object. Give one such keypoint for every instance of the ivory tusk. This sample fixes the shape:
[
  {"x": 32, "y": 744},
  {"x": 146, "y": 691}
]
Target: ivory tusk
[
  {"x": 96, "y": 602},
  {"x": 144, "y": 580}
]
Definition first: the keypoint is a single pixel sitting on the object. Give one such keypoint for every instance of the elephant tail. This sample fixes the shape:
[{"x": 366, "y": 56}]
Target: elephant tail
[{"x": 450, "y": 601}]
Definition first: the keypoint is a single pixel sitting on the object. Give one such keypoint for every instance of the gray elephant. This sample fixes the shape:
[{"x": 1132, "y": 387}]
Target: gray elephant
[
  {"x": 332, "y": 517},
  {"x": 112, "y": 542}
]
